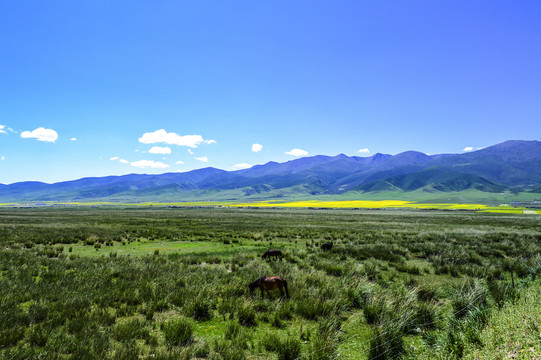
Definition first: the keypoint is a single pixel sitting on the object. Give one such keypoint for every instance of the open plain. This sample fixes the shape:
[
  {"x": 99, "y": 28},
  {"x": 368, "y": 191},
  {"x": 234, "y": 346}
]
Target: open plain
[{"x": 156, "y": 282}]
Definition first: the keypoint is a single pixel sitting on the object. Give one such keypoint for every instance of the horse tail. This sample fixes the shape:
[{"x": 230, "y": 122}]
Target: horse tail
[{"x": 285, "y": 286}]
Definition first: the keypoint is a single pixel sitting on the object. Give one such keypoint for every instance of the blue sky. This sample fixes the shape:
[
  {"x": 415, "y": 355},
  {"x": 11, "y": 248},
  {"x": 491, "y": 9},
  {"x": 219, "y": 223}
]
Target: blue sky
[{"x": 96, "y": 88}]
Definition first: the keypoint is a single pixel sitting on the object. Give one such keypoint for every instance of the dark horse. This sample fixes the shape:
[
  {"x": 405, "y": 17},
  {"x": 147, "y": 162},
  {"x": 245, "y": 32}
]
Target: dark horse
[
  {"x": 269, "y": 283},
  {"x": 272, "y": 252},
  {"x": 327, "y": 246}
]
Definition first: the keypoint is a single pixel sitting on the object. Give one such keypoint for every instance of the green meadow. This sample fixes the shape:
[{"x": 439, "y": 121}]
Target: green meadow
[{"x": 163, "y": 282}]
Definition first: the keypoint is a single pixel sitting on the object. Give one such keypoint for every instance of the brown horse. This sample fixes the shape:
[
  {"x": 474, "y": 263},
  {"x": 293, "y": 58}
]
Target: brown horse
[
  {"x": 277, "y": 254},
  {"x": 269, "y": 283},
  {"x": 327, "y": 246}
]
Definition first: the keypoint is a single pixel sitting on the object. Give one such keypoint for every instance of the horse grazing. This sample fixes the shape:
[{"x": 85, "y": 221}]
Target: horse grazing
[
  {"x": 269, "y": 283},
  {"x": 327, "y": 246},
  {"x": 272, "y": 252}
]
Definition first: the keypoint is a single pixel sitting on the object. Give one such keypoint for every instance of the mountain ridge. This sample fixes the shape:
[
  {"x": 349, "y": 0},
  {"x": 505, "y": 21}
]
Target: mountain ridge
[{"x": 514, "y": 165}]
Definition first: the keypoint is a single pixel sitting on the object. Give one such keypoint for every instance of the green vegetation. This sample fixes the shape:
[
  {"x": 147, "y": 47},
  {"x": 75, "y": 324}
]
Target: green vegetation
[
  {"x": 171, "y": 283},
  {"x": 514, "y": 331}
]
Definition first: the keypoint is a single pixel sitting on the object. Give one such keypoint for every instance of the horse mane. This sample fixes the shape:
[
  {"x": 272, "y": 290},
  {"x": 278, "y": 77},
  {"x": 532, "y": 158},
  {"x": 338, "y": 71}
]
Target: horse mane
[{"x": 254, "y": 284}]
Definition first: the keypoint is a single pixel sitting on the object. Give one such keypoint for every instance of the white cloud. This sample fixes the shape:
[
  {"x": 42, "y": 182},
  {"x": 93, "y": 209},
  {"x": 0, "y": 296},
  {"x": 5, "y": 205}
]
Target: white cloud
[
  {"x": 149, "y": 164},
  {"x": 114, "y": 158},
  {"x": 41, "y": 134},
  {"x": 202, "y": 158},
  {"x": 160, "y": 150},
  {"x": 73, "y": 139},
  {"x": 297, "y": 152},
  {"x": 1, "y": 129},
  {"x": 162, "y": 136},
  {"x": 3, "y": 158},
  {"x": 468, "y": 148},
  {"x": 257, "y": 147},
  {"x": 241, "y": 166},
  {"x": 363, "y": 151},
  {"x": 210, "y": 142},
  {"x": 190, "y": 151},
  {"x": 180, "y": 162}
]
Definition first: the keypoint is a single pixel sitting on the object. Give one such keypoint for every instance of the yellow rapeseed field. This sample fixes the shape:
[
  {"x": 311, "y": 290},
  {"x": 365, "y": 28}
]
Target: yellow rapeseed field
[
  {"x": 343, "y": 204},
  {"x": 379, "y": 204}
]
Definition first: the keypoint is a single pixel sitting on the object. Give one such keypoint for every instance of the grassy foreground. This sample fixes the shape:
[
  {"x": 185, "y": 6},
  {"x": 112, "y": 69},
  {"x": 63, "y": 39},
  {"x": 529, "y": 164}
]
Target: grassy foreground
[
  {"x": 170, "y": 283},
  {"x": 514, "y": 332}
]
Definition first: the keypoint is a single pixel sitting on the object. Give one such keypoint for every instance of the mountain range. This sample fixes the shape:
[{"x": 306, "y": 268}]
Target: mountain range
[{"x": 512, "y": 166}]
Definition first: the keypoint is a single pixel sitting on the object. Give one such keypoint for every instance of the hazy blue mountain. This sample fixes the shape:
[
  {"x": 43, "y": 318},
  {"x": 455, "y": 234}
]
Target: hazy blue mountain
[
  {"x": 436, "y": 178},
  {"x": 512, "y": 165}
]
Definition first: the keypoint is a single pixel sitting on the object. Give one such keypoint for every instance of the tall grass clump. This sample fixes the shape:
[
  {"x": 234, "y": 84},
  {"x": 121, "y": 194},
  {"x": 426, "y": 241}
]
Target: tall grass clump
[
  {"x": 129, "y": 330},
  {"x": 200, "y": 309},
  {"x": 324, "y": 342},
  {"x": 226, "y": 350},
  {"x": 395, "y": 313},
  {"x": 289, "y": 349},
  {"x": 469, "y": 295},
  {"x": 178, "y": 332},
  {"x": 246, "y": 315}
]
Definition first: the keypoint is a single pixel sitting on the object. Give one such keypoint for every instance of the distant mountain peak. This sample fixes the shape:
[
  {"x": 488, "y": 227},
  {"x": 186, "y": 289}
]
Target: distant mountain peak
[{"x": 513, "y": 164}]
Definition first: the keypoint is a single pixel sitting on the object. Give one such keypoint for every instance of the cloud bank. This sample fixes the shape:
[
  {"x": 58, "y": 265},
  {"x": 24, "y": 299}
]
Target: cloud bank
[
  {"x": 41, "y": 134},
  {"x": 162, "y": 136},
  {"x": 149, "y": 164},
  {"x": 297, "y": 152},
  {"x": 160, "y": 150},
  {"x": 241, "y": 166}
]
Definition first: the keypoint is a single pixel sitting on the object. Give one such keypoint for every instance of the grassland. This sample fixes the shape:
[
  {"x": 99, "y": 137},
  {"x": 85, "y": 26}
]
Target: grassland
[{"x": 168, "y": 283}]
